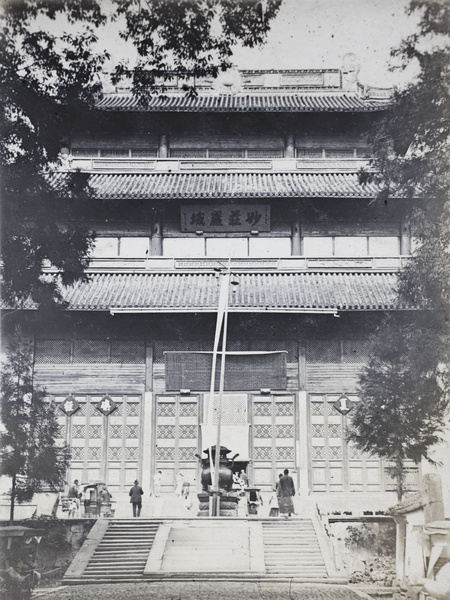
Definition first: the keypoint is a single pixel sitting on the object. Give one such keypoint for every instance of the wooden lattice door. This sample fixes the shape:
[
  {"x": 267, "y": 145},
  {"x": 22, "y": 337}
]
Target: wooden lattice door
[
  {"x": 104, "y": 448},
  {"x": 273, "y": 438},
  {"x": 176, "y": 439}
]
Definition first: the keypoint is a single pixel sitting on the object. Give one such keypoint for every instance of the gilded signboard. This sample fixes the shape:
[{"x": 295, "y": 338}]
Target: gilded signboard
[{"x": 225, "y": 218}]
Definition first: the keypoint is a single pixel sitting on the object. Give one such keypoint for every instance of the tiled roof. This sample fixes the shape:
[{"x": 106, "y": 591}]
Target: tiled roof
[
  {"x": 272, "y": 292},
  {"x": 148, "y": 186},
  {"x": 247, "y": 102},
  {"x": 409, "y": 504}
]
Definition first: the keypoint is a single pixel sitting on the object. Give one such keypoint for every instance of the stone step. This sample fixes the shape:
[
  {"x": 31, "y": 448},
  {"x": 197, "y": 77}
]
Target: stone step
[
  {"x": 130, "y": 534},
  {"x": 297, "y": 569},
  {"x": 296, "y": 542},
  {"x": 112, "y": 569},
  {"x": 120, "y": 553},
  {"x": 102, "y": 562},
  {"x": 127, "y": 544},
  {"x": 310, "y": 538},
  {"x": 292, "y": 558},
  {"x": 283, "y": 549},
  {"x": 291, "y": 551},
  {"x": 294, "y": 564},
  {"x": 272, "y": 577}
]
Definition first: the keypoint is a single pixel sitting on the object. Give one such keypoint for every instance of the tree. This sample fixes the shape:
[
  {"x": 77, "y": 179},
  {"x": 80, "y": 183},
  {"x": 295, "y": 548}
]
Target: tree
[
  {"x": 411, "y": 157},
  {"x": 405, "y": 387},
  {"x": 404, "y": 392},
  {"x": 28, "y": 452},
  {"x": 52, "y": 72}
]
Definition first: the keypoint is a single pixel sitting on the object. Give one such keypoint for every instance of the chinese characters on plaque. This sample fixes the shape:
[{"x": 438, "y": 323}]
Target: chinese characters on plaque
[
  {"x": 343, "y": 404},
  {"x": 225, "y": 218},
  {"x": 106, "y": 405},
  {"x": 69, "y": 406}
]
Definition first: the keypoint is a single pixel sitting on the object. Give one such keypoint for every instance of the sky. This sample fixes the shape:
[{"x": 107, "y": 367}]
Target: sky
[{"x": 317, "y": 34}]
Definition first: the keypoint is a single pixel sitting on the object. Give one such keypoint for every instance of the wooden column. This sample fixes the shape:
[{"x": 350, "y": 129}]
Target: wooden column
[
  {"x": 302, "y": 457},
  {"x": 296, "y": 234},
  {"x": 301, "y": 366},
  {"x": 405, "y": 238},
  {"x": 163, "y": 146},
  {"x": 148, "y": 366},
  {"x": 156, "y": 239},
  {"x": 289, "y": 148},
  {"x": 147, "y": 415}
]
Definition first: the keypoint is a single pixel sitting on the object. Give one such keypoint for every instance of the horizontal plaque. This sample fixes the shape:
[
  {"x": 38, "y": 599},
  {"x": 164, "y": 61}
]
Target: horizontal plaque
[{"x": 225, "y": 218}]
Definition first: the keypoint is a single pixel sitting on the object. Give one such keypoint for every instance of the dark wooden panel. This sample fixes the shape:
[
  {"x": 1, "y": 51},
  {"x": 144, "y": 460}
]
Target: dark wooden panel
[
  {"x": 114, "y": 141},
  {"x": 218, "y": 141},
  {"x": 159, "y": 378},
  {"x": 329, "y": 140},
  {"x": 191, "y": 370},
  {"x": 292, "y": 377},
  {"x": 332, "y": 378},
  {"x": 101, "y": 378}
]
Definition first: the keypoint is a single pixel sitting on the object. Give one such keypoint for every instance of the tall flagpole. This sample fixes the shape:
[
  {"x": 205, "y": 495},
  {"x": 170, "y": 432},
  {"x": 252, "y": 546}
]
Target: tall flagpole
[
  {"x": 221, "y": 388},
  {"x": 222, "y": 319}
]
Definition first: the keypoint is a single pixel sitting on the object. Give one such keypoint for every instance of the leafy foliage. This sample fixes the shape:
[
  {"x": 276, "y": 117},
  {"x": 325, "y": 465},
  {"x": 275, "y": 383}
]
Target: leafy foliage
[
  {"x": 412, "y": 156},
  {"x": 52, "y": 71},
  {"x": 405, "y": 387},
  {"x": 188, "y": 38},
  {"x": 28, "y": 452},
  {"x": 379, "y": 538},
  {"x": 405, "y": 394}
]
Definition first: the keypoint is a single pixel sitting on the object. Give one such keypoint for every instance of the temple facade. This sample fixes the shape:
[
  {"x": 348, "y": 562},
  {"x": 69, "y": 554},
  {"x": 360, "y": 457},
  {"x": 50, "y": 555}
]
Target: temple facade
[{"x": 250, "y": 189}]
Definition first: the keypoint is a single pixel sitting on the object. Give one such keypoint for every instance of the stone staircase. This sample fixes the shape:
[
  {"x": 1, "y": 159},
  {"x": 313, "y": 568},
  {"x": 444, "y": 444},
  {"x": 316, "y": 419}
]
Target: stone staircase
[
  {"x": 121, "y": 554},
  {"x": 291, "y": 549},
  {"x": 131, "y": 550}
]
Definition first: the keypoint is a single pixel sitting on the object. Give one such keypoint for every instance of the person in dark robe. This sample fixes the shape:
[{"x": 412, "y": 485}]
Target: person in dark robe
[
  {"x": 285, "y": 493},
  {"x": 136, "y": 494}
]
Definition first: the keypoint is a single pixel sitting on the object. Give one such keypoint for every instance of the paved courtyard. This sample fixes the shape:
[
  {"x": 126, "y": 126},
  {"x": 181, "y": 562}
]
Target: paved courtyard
[{"x": 203, "y": 590}]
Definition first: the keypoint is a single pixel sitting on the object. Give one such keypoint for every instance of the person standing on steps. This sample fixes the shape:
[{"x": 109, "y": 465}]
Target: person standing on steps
[
  {"x": 157, "y": 483},
  {"x": 244, "y": 477},
  {"x": 179, "y": 484},
  {"x": 74, "y": 494},
  {"x": 285, "y": 492},
  {"x": 136, "y": 494},
  {"x": 273, "y": 503}
]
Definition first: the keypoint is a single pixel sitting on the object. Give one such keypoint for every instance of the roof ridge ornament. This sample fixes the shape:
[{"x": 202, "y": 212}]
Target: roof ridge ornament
[
  {"x": 350, "y": 71},
  {"x": 229, "y": 82}
]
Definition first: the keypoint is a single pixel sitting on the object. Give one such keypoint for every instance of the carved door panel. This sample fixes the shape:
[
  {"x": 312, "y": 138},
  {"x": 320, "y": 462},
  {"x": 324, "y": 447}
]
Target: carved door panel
[
  {"x": 177, "y": 439},
  {"x": 104, "y": 448},
  {"x": 336, "y": 465},
  {"x": 273, "y": 438}
]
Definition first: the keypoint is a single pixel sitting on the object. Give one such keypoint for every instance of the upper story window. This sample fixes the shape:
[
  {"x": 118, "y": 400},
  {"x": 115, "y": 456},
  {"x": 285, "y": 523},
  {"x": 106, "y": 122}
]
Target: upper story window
[
  {"x": 115, "y": 152},
  {"x": 260, "y": 247},
  {"x": 221, "y": 153},
  {"x": 220, "y": 146},
  {"x": 89, "y": 351},
  {"x": 337, "y": 351},
  {"x": 125, "y": 247},
  {"x": 184, "y": 247},
  {"x": 257, "y": 247},
  {"x": 114, "y": 145},
  {"x": 351, "y": 246},
  {"x": 332, "y": 152}
]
